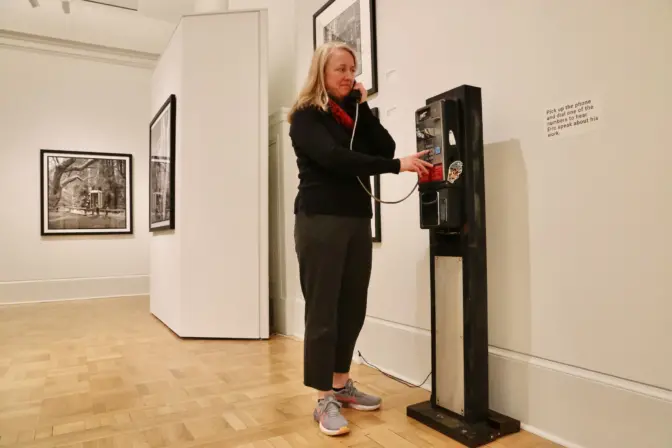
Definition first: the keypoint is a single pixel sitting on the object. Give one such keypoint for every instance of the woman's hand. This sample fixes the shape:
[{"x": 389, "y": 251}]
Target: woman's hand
[
  {"x": 359, "y": 86},
  {"x": 414, "y": 162}
]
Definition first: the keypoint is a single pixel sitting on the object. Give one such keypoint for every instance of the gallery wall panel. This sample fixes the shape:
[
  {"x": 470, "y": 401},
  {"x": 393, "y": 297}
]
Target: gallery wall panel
[{"x": 86, "y": 106}]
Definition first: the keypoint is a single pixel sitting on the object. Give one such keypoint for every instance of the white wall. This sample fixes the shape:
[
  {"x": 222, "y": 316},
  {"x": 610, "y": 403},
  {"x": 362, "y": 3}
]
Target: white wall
[
  {"x": 60, "y": 102},
  {"x": 577, "y": 225},
  {"x": 281, "y": 52},
  {"x": 165, "y": 248},
  {"x": 209, "y": 276},
  {"x": 303, "y": 23},
  {"x": 286, "y": 297},
  {"x": 150, "y": 29}
]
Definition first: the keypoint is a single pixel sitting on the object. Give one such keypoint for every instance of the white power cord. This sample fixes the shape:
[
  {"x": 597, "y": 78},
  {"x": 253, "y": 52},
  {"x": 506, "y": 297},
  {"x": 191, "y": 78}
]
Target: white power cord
[{"x": 352, "y": 139}]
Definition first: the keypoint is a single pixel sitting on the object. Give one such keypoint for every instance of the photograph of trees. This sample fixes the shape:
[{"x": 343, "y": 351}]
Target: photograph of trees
[
  {"x": 85, "y": 193},
  {"x": 162, "y": 167}
]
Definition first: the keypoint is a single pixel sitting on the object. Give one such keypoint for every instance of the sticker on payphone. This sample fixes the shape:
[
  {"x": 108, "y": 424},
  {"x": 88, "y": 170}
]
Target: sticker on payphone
[{"x": 454, "y": 171}]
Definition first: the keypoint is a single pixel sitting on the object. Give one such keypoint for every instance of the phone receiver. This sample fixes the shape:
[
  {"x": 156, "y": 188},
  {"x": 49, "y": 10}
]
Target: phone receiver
[{"x": 355, "y": 94}]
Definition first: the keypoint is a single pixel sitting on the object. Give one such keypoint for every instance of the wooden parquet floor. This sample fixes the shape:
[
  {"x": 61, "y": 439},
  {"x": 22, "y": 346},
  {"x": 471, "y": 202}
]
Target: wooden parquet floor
[{"x": 105, "y": 373}]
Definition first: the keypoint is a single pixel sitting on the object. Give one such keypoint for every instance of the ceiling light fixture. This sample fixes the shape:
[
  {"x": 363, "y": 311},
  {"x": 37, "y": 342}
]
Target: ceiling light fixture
[{"x": 66, "y": 6}]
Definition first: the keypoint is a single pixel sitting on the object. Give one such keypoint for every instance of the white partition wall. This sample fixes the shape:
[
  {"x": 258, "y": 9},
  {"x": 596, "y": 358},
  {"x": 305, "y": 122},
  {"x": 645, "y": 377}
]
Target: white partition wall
[
  {"x": 209, "y": 275},
  {"x": 285, "y": 287}
]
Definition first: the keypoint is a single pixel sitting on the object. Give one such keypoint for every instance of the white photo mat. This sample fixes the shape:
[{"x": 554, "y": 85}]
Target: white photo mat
[{"x": 76, "y": 176}]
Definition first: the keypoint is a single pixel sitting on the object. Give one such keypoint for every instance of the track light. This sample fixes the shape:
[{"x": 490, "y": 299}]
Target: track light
[
  {"x": 66, "y": 6},
  {"x": 34, "y": 3}
]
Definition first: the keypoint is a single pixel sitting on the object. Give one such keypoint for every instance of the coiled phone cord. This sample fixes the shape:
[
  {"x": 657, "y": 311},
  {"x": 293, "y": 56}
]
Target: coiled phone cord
[{"x": 352, "y": 139}]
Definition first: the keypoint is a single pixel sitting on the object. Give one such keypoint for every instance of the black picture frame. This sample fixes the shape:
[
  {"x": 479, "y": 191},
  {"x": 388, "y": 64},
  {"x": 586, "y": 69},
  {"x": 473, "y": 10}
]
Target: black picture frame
[
  {"x": 161, "y": 206},
  {"x": 376, "y": 228},
  {"x": 81, "y": 193},
  {"x": 363, "y": 14}
]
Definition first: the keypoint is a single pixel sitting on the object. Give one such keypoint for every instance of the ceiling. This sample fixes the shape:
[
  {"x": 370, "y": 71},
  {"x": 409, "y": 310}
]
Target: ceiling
[
  {"x": 128, "y": 4},
  {"x": 142, "y": 25}
]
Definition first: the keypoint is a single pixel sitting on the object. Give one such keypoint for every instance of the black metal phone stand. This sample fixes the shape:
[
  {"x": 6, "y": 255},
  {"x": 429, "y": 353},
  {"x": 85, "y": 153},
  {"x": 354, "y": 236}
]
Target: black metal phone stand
[{"x": 459, "y": 403}]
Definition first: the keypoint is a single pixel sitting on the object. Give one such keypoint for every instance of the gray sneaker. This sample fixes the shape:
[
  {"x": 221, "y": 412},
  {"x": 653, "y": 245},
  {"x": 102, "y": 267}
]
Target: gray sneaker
[
  {"x": 353, "y": 398},
  {"x": 328, "y": 414}
]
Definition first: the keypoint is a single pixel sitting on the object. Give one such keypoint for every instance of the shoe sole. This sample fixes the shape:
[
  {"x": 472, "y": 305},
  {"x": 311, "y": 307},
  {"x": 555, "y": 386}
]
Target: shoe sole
[
  {"x": 361, "y": 407},
  {"x": 334, "y": 432}
]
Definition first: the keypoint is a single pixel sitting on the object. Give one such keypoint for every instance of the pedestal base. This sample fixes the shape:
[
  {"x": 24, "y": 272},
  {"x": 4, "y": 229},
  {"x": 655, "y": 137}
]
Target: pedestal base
[{"x": 472, "y": 435}]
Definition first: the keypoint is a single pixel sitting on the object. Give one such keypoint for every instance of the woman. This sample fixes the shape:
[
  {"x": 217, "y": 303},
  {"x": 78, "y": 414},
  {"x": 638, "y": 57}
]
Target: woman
[{"x": 333, "y": 223}]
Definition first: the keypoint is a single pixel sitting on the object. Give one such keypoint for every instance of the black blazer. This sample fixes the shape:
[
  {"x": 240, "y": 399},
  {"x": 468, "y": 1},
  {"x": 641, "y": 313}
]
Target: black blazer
[{"x": 328, "y": 169}]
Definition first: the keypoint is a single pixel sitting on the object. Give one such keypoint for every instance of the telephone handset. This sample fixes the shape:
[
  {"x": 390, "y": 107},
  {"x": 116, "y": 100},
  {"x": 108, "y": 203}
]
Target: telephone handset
[{"x": 355, "y": 95}]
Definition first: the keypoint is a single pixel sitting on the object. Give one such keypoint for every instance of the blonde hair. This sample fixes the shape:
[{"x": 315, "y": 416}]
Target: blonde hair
[{"x": 314, "y": 91}]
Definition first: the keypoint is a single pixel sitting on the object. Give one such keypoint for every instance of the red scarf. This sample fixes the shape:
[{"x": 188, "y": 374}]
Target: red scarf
[{"x": 341, "y": 116}]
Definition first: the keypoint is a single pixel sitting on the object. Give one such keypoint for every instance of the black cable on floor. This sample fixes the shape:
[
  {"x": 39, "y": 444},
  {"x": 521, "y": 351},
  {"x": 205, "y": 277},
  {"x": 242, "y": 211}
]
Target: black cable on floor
[{"x": 406, "y": 383}]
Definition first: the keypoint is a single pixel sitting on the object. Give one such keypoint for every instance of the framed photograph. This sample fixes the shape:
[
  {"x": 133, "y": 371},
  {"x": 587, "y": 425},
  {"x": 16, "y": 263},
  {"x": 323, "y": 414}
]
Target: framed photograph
[
  {"x": 352, "y": 22},
  {"x": 376, "y": 228},
  {"x": 85, "y": 193},
  {"x": 162, "y": 167}
]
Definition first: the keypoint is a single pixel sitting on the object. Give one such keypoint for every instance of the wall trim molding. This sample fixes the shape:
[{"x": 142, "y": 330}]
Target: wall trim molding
[
  {"x": 64, "y": 289},
  {"x": 659, "y": 393},
  {"x": 72, "y": 279},
  {"x": 278, "y": 116},
  {"x": 79, "y": 50},
  {"x": 118, "y": 296},
  {"x": 400, "y": 326},
  {"x": 550, "y": 437}
]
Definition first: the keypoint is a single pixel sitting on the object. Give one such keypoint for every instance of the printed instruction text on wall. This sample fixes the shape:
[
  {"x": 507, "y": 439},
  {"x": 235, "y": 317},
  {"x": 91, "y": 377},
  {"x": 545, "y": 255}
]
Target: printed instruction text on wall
[{"x": 571, "y": 118}]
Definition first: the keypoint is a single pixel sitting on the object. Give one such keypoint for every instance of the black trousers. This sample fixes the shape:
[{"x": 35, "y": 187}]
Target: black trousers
[{"x": 334, "y": 254}]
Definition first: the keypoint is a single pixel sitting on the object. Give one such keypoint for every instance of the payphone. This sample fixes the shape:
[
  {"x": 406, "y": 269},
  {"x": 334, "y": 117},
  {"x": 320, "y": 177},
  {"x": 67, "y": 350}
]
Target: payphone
[
  {"x": 436, "y": 127},
  {"x": 452, "y": 209}
]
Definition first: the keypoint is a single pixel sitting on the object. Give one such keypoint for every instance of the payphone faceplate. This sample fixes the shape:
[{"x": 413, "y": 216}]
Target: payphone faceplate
[
  {"x": 429, "y": 135},
  {"x": 436, "y": 128}
]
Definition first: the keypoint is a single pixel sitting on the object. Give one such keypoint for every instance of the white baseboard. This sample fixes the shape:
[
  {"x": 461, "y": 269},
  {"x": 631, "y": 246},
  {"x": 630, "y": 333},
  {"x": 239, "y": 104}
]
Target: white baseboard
[
  {"x": 35, "y": 291},
  {"x": 577, "y": 408},
  {"x": 550, "y": 437},
  {"x": 398, "y": 350},
  {"x": 573, "y": 407}
]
